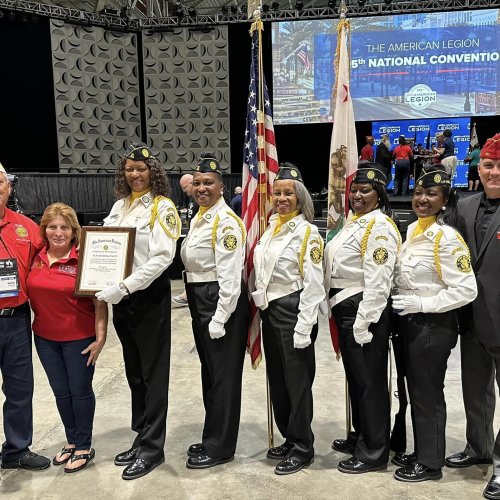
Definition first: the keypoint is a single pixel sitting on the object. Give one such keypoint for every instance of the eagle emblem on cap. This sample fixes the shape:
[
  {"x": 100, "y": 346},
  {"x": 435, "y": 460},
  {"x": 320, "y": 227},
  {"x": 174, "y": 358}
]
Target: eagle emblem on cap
[
  {"x": 213, "y": 165},
  {"x": 437, "y": 178},
  {"x": 370, "y": 174},
  {"x": 145, "y": 153},
  {"x": 380, "y": 256},
  {"x": 293, "y": 173},
  {"x": 230, "y": 242}
]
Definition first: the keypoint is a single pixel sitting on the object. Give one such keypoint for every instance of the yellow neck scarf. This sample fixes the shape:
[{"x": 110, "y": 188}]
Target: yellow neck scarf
[
  {"x": 201, "y": 211},
  {"x": 423, "y": 224},
  {"x": 134, "y": 195},
  {"x": 283, "y": 219}
]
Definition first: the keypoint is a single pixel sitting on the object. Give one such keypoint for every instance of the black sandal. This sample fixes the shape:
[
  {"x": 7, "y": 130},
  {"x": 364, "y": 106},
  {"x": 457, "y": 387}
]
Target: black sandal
[
  {"x": 88, "y": 457},
  {"x": 64, "y": 451}
]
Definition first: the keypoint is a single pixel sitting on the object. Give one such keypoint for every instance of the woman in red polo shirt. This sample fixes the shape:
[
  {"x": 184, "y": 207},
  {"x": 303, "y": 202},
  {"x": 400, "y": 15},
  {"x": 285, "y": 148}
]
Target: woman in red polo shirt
[{"x": 69, "y": 332}]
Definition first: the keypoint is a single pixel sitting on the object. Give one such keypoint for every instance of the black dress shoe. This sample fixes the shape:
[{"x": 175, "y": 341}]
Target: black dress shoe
[
  {"x": 126, "y": 457},
  {"x": 403, "y": 460},
  {"x": 291, "y": 465},
  {"x": 415, "y": 473},
  {"x": 461, "y": 460},
  {"x": 279, "y": 452},
  {"x": 493, "y": 489},
  {"x": 140, "y": 467},
  {"x": 354, "y": 466},
  {"x": 203, "y": 461},
  {"x": 344, "y": 446},
  {"x": 28, "y": 461},
  {"x": 195, "y": 449}
]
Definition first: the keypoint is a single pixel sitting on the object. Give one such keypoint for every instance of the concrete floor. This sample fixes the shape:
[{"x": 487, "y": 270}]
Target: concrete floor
[{"x": 251, "y": 474}]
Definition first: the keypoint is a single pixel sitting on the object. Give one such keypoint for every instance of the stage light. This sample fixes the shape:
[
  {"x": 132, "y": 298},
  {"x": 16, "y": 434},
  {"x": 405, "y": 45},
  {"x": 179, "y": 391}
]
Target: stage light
[
  {"x": 275, "y": 6},
  {"x": 388, "y": 2},
  {"x": 24, "y": 18},
  {"x": 265, "y": 8},
  {"x": 12, "y": 16},
  {"x": 1, "y": 14},
  {"x": 192, "y": 12},
  {"x": 361, "y": 3},
  {"x": 224, "y": 10},
  {"x": 243, "y": 9},
  {"x": 299, "y": 5},
  {"x": 332, "y": 4},
  {"x": 234, "y": 9}
]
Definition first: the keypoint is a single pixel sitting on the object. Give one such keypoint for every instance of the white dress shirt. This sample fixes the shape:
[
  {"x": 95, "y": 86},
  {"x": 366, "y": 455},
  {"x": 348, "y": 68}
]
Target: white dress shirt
[
  {"x": 221, "y": 251},
  {"x": 154, "y": 248},
  {"x": 289, "y": 261},
  {"x": 361, "y": 258},
  {"x": 449, "y": 287}
]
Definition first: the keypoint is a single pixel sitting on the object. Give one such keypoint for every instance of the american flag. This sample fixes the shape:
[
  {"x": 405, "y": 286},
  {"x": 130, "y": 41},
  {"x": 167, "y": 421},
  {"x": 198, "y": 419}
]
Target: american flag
[
  {"x": 303, "y": 55},
  {"x": 260, "y": 166}
]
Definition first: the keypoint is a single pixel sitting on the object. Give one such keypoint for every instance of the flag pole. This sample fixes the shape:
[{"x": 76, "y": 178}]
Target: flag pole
[{"x": 255, "y": 6}]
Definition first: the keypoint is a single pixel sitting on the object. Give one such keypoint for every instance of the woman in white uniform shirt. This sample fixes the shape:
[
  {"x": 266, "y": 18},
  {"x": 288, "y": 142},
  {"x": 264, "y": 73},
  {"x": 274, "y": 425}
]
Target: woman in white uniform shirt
[
  {"x": 359, "y": 269},
  {"x": 141, "y": 303},
  {"x": 213, "y": 254},
  {"x": 289, "y": 281},
  {"x": 433, "y": 277}
]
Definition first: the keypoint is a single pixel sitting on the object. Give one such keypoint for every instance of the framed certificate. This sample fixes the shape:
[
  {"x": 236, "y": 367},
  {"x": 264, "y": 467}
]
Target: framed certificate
[{"x": 106, "y": 257}]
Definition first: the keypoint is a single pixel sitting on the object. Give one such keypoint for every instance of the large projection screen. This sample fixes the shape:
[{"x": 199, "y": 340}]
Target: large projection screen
[{"x": 411, "y": 66}]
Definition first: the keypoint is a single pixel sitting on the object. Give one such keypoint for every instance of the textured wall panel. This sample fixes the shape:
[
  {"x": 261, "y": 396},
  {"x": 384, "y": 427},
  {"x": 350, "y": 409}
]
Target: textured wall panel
[
  {"x": 96, "y": 91},
  {"x": 186, "y": 80}
]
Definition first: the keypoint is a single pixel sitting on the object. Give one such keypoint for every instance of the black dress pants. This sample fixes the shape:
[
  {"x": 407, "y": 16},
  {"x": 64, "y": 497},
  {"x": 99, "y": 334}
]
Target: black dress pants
[
  {"x": 366, "y": 371},
  {"x": 142, "y": 323},
  {"x": 221, "y": 366},
  {"x": 427, "y": 341},
  {"x": 291, "y": 374}
]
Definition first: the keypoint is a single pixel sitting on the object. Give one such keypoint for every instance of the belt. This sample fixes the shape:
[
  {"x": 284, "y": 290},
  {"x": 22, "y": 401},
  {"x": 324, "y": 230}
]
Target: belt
[
  {"x": 345, "y": 288},
  {"x": 199, "y": 277},
  {"x": 11, "y": 311}
]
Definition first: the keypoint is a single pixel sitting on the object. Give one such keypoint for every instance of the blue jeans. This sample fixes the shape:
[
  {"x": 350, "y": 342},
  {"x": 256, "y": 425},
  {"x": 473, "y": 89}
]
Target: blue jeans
[
  {"x": 402, "y": 177},
  {"x": 17, "y": 374},
  {"x": 71, "y": 381}
]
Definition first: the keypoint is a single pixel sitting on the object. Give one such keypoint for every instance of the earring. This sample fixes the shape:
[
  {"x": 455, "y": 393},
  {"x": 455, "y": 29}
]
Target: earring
[{"x": 443, "y": 208}]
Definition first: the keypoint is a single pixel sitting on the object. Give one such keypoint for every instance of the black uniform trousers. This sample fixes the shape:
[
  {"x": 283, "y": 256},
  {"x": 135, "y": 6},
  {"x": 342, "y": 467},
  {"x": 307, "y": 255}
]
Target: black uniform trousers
[
  {"x": 291, "y": 374},
  {"x": 480, "y": 368},
  {"x": 143, "y": 327},
  {"x": 16, "y": 366},
  {"x": 366, "y": 371},
  {"x": 428, "y": 339},
  {"x": 221, "y": 366}
]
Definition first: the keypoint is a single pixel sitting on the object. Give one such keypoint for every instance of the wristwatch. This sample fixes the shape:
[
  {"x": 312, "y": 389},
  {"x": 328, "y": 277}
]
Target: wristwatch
[{"x": 123, "y": 288}]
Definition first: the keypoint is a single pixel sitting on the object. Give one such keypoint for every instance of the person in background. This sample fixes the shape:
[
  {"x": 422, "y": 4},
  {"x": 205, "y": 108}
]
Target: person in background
[
  {"x": 367, "y": 151},
  {"x": 402, "y": 155},
  {"x": 419, "y": 152},
  {"x": 186, "y": 183},
  {"x": 141, "y": 302},
  {"x": 359, "y": 263},
  {"x": 213, "y": 254},
  {"x": 433, "y": 278},
  {"x": 236, "y": 201},
  {"x": 472, "y": 174},
  {"x": 70, "y": 332},
  {"x": 19, "y": 243},
  {"x": 479, "y": 221},
  {"x": 384, "y": 156},
  {"x": 289, "y": 277},
  {"x": 447, "y": 156}
]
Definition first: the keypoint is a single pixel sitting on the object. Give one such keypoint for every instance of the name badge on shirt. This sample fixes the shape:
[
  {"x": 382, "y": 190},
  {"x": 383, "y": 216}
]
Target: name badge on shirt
[{"x": 9, "y": 278}]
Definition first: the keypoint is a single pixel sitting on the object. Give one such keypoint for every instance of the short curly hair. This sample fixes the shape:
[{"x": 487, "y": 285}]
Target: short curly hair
[{"x": 159, "y": 183}]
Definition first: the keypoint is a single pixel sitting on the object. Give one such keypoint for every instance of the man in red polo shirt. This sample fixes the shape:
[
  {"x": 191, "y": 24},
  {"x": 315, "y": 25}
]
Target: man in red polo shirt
[
  {"x": 367, "y": 151},
  {"x": 19, "y": 242}
]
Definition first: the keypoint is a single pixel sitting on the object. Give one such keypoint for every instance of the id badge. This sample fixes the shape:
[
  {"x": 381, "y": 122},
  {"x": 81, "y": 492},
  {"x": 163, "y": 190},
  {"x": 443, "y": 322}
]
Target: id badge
[{"x": 9, "y": 278}]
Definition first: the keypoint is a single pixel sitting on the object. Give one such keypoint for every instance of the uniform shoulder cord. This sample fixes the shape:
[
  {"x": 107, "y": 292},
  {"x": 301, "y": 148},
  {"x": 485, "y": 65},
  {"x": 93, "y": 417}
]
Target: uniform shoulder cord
[
  {"x": 176, "y": 224},
  {"x": 364, "y": 240},
  {"x": 437, "y": 260},
  {"x": 303, "y": 249},
  {"x": 391, "y": 221},
  {"x": 214, "y": 230}
]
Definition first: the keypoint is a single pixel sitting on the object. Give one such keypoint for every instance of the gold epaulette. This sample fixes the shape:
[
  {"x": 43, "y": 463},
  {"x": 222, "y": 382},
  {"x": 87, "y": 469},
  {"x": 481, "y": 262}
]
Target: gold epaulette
[
  {"x": 437, "y": 260},
  {"x": 396, "y": 229},
  {"x": 242, "y": 227},
  {"x": 174, "y": 224},
  {"x": 214, "y": 230},
  {"x": 364, "y": 240},
  {"x": 303, "y": 250}
]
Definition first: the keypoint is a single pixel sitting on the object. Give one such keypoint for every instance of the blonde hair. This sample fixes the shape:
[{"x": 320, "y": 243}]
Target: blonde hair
[{"x": 51, "y": 212}]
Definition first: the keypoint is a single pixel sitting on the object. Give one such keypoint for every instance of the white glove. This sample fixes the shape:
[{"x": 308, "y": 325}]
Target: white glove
[
  {"x": 362, "y": 336},
  {"x": 113, "y": 294},
  {"x": 300, "y": 341},
  {"x": 216, "y": 329},
  {"x": 406, "y": 304}
]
